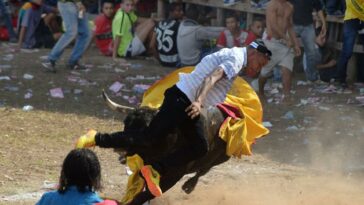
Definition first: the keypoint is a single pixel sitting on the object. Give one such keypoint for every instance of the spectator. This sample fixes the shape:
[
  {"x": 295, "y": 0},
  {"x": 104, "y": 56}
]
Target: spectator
[
  {"x": 79, "y": 179},
  {"x": 255, "y": 31},
  {"x": 353, "y": 22},
  {"x": 165, "y": 36},
  {"x": 6, "y": 15},
  {"x": 303, "y": 26},
  {"x": 232, "y": 36},
  {"x": 327, "y": 55},
  {"x": 75, "y": 20},
  {"x": 103, "y": 32},
  {"x": 191, "y": 36},
  {"x": 325, "y": 52},
  {"x": 34, "y": 31},
  {"x": 129, "y": 32},
  {"x": 279, "y": 23}
]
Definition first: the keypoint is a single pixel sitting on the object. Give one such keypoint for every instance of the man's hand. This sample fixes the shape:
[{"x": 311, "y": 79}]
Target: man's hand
[
  {"x": 194, "y": 109},
  {"x": 288, "y": 42},
  {"x": 297, "y": 50},
  {"x": 323, "y": 29},
  {"x": 87, "y": 140}
]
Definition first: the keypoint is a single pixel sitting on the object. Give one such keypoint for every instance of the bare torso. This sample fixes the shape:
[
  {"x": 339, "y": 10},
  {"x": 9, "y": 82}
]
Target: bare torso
[{"x": 279, "y": 18}]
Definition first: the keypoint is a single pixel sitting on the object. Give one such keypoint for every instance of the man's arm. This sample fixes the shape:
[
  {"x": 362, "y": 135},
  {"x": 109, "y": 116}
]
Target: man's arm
[
  {"x": 153, "y": 45},
  {"x": 330, "y": 64},
  {"x": 195, "y": 108},
  {"x": 323, "y": 22},
  {"x": 116, "y": 44},
  {"x": 292, "y": 34},
  {"x": 208, "y": 33}
]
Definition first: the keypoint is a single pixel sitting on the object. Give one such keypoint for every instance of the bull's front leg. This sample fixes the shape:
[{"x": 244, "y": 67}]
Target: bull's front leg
[{"x": 215, "y": 157}]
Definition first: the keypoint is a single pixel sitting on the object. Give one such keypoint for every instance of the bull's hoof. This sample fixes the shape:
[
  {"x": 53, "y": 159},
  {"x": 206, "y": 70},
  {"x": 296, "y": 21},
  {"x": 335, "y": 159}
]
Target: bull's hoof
[{"x": 190, "y": 185}]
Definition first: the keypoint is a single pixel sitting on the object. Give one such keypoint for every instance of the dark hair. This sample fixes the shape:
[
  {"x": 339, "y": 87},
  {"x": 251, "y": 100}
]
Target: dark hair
[
  {"x": 108, "y": 1},
  {"x": 257, "y": 19},
  {"x": 231, "y": 15},
  {"x": 81, "y": 168},
  {"x": 173, "y": 6},
  {"x": 192, "y": 13}
]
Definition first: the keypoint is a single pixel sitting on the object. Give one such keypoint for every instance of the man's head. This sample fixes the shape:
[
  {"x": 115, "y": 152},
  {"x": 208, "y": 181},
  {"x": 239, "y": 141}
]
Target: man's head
[
  {"x": 127, "y": 5},
  {"x": 108, "y": 8},
  {"x": 232, "y": 22},
  {"x": 175, "y": 11},
  {"x": 258, "y": 56},
  {"x": 257, "y": 27}
]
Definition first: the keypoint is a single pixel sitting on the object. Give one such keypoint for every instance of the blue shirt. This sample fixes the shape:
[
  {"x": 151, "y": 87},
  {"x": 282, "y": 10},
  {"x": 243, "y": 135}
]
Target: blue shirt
[{"x": 71, "y": 197}]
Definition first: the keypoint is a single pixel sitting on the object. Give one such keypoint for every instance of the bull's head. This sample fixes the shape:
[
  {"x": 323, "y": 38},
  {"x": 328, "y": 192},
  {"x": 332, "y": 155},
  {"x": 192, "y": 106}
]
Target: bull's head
[{"x": 136, "y": 119}]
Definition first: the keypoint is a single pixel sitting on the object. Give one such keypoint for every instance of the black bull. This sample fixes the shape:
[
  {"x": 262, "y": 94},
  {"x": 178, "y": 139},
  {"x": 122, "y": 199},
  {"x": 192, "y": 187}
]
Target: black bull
[{"x": 139, "y": 119}]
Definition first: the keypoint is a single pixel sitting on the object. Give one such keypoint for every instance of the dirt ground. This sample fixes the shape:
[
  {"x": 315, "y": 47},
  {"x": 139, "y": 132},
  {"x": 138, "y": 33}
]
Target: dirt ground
[{"x": 313, "y": 154}]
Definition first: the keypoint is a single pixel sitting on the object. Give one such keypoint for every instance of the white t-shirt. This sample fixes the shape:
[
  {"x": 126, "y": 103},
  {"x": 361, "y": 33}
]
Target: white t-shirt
[{"x": 232, "y": 60}]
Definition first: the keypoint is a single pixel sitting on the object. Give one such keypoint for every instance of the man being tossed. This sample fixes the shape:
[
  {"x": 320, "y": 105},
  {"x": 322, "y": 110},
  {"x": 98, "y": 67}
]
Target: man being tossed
[{"x": 206, "y": 86}]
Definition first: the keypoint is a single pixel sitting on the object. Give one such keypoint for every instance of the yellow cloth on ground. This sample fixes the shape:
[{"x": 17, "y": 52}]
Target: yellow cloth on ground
[
  {"x": 354, "y": 9},
  {"x": 135, "y": 182},
  {"x": 238, "y": 134}
]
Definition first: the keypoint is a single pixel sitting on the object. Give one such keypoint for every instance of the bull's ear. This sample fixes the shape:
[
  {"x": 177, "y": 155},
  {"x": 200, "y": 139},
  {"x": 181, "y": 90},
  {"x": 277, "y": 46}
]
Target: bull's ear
[{"x": 115, "y": 106}]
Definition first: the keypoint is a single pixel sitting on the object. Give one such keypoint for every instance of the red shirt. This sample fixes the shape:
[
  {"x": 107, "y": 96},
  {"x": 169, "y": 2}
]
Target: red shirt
[
  {"x": 103, "y": 34},
  {"x": 244, "y": 38},
  {"x": 251, "y": 37}
]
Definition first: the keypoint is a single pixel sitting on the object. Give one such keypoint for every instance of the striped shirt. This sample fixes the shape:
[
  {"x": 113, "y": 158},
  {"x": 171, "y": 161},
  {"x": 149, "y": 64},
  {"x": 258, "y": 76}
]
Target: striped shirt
[{"x": 231, "y": 60}]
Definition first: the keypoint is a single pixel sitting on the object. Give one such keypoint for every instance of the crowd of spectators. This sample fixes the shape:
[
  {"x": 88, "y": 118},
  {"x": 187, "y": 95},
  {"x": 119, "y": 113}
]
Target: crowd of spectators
[{"x": 126, "y": 28}]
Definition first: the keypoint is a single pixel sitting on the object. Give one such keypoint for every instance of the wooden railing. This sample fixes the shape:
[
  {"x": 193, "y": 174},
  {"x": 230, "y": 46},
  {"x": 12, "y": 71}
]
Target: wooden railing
[{"x": 335, "y": 25}]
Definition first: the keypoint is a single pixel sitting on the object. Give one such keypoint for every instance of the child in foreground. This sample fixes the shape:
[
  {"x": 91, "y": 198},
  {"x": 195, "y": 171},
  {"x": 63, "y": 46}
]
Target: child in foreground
[{"x": 80, "y": 179}]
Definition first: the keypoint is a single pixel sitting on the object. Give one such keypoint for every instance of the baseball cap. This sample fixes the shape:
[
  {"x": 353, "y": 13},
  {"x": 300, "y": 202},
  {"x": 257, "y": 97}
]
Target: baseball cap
[{"x": 260, "y": 46}]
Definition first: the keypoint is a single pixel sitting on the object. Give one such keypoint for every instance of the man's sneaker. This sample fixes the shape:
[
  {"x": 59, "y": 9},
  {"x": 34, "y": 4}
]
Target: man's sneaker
[
  {"x": 49, "y": 66},
  {"x": 152, "y": 178},
  {"x": 76, "y": 66}
]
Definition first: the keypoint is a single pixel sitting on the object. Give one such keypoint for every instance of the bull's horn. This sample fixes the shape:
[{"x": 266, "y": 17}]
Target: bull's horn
[{"x": 115, "y": 106}]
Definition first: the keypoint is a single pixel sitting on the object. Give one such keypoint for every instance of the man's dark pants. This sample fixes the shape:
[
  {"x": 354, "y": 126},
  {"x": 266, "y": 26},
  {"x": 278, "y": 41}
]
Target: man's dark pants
[
  {"x": 170, "y": 116},
  {"x": 351, "y": 28}
]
